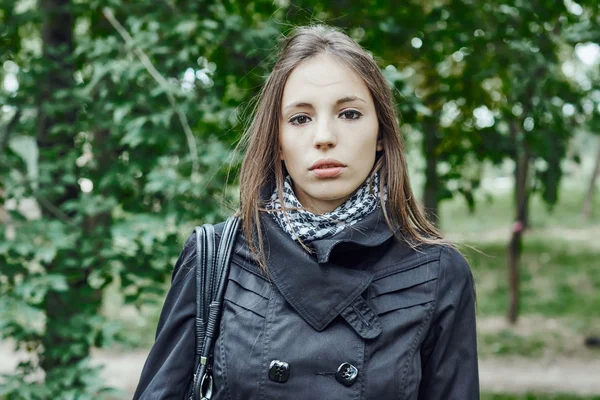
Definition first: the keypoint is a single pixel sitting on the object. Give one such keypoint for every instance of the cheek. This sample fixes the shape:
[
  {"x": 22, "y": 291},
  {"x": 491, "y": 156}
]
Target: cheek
[
  {"x": 287, "y": 148},
  {"x": 283, "y": 146},
  {"x": 290, "y": 145},
  {"x": 366, "y": 141}
]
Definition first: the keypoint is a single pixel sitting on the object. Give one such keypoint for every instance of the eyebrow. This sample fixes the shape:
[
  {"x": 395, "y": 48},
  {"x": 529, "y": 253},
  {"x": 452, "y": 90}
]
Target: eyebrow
[{"x": 343, "y": 100}]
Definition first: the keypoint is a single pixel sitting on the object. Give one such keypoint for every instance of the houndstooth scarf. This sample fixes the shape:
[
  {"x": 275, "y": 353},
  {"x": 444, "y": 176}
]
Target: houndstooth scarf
[{"x": 304, "y": 226}]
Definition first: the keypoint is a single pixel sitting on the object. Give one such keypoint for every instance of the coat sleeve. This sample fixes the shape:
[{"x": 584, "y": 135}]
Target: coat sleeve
[
  {"x": 449, "y": 351},
  {"x": 168, "y": 370}
]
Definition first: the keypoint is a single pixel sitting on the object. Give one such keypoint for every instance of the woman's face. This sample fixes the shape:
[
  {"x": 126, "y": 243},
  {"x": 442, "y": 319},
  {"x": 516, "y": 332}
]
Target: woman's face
[{"x": 329, "y": 132}]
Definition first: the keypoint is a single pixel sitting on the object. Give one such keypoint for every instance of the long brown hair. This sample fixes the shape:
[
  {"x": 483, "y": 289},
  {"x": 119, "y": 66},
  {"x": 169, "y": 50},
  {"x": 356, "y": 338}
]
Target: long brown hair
[{"x": 262, "y": 168}]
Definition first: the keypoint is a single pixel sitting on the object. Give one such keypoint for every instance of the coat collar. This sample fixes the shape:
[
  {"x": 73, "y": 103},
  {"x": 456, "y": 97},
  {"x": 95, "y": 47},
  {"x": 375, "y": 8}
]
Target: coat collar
[{"x": 316, "y": 288}]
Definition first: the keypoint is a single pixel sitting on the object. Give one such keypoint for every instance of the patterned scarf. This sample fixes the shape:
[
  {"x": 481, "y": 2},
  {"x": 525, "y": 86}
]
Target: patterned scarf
[{"x": 304, "y": 226}]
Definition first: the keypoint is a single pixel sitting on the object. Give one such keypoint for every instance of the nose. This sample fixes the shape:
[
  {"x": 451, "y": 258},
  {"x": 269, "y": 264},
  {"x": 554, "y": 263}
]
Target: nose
[{"x": 324, "y": 137}]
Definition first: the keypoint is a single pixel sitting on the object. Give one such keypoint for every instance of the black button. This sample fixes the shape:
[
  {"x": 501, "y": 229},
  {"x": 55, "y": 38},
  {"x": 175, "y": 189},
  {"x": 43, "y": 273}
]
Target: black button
[
  {"x": 279, "y": 371},
  {"x": 346, "y": 374}
]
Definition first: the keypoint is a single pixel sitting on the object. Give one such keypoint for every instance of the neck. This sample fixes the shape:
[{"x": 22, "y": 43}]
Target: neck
[{"x": 317, "y": 207}]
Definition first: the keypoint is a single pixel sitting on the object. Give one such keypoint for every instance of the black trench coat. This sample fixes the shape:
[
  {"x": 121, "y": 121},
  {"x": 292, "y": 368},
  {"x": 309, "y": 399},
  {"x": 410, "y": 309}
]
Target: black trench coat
[{"x": 397, "y": 323}]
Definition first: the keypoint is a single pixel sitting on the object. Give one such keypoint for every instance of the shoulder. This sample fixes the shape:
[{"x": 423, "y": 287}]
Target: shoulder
[
  {"x": 455, "y": 279},
  {"x": 454, "y": 265},
  {"x": 187, "y": 257},
  {"x": 441, "y": 262},
  {"x": 190, "y": 245}
]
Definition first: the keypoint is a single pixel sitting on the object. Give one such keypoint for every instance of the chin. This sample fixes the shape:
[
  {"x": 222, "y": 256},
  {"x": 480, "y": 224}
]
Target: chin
[
  {"x": 331, "y": 197},
  {"x": 329, "y": 191}
]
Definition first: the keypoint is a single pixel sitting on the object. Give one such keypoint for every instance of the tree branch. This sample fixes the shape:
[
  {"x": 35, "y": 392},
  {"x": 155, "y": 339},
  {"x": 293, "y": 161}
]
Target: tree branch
[
  {"x": 57, "y": 212},
  {"x": 8, "y": 130},
  {"x": 161, "y": 81}
]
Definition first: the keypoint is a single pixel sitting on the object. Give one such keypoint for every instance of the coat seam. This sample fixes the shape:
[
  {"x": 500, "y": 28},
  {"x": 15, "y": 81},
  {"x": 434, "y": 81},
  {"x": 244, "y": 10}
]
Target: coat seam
[
  {"x": 394, "y": 268},
  {"x": 364, "y": 368},
  {"x": 413, "y": 346},
  {"x": 249, "y": 269},
  {"x": 412, "y": 351},
  {"x": 224, "y": 360},
  {"x": 267, "y": 343},
  {"x": 360, "y": 357}
]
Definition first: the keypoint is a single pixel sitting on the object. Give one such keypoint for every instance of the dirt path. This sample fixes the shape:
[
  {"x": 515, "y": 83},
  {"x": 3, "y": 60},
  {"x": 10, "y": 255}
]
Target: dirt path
[
  {"x": 505, "y": 375},
  {"x": 556, "y": 375}
]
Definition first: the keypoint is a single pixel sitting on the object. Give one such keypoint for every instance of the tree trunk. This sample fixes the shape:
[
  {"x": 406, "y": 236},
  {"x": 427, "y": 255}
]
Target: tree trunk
[
  {"x": 522, "y": 160},
  {"x": 431, "y": 192},
  {"x": 61, "y": 346},
  {"x": 589, "y": 196},
  {"x": 522, "y": 191},
  {"x": 514, "y": 245}
]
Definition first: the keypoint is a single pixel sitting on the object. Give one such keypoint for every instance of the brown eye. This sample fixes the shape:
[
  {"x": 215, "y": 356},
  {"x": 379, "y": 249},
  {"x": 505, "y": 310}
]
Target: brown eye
[
  {"x": 299, "y": 120},
  {"x": 351, "y": 114}
]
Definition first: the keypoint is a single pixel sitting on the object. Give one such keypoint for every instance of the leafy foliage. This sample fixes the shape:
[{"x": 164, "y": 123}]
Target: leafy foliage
[{"x": 113, "y": 182}]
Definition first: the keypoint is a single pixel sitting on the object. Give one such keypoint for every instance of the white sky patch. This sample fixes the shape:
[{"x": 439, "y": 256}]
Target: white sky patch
[
  {"x": 458, "y": 56},
  {"x": 188, "y": 79},
  {"x": 483, "y": 117},
  {"x": 573, "y": 7},
  {"x": 25, "y": 5},
  {"x": 10, "y": 67},
  {"x": 568, "y": 110},
  {"x": 416, "y": 43},
  {"x": 588, "y": 106},
  {"x": 188, "y": 76},
  {"x": 529, "y": 124},
  {"x": 568, "y": 68},
  {"x": 11, "y": 84},
  {"x": 588, "y": 53},
  {"x": 496, "y": 96},
  {"x": 541, "y": 165},
  {"x": 449, "y": 114},
  {"x": 86, "y": 185},
  {"x": 443, "y": 168},
  {"x": 203, "y": 77}
]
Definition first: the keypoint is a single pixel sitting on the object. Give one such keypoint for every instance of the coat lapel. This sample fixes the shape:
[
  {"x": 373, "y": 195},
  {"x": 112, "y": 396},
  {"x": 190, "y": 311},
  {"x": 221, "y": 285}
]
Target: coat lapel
[{"x": 316, "y": 288}]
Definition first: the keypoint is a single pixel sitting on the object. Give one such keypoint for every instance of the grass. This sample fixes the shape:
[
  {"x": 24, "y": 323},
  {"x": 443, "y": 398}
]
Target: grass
[
  {"x": 538, "y": 337},
  {"x": 496, "y": 212},
  {"x": 560, "y": 262},
  {"x": 507, "y": 342},
  {"x": 557, "y": 278},
  {"x": 560, "y": 274}
]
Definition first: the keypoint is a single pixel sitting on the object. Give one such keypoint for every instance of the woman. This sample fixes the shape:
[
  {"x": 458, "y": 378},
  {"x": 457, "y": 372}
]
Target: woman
[{"x": 339, "y": 288}]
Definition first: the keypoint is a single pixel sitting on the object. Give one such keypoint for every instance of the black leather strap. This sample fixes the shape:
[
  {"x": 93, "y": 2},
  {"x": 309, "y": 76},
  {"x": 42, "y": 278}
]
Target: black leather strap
[{"x": 212, "y": 269}]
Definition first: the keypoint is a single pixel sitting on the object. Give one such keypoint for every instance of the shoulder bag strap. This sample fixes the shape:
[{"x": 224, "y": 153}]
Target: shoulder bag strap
[{"x": 212, "y": 269}]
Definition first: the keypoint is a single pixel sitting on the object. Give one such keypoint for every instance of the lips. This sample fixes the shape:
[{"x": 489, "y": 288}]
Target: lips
[
  {"x": 326, "y": 164},
  {"x": 327, "y": 168}
]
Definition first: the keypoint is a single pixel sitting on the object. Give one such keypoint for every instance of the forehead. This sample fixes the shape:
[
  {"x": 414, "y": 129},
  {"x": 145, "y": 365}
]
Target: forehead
[{"x": 323, "y": 79}]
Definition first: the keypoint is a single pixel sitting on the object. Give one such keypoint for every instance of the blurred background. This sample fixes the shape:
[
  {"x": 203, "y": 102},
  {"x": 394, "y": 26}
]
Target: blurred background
[{"x": 117, "y": 124}]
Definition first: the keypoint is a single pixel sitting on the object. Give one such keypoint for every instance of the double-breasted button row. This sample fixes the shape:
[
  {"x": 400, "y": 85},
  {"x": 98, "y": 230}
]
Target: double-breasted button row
[{"x": 346, "y": 373}]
